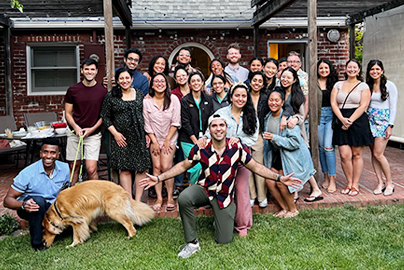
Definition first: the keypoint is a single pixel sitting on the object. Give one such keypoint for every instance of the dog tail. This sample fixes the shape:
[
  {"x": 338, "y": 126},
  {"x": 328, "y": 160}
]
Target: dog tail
[{"x": 142, "y": 213}]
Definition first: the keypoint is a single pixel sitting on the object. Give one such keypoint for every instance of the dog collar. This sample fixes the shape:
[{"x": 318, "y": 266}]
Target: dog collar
[{"x": 57, "y": 211}]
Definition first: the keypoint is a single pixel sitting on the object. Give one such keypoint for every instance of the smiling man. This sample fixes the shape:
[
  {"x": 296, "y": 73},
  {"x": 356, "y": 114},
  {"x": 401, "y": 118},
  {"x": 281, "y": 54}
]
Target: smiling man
[
  {"x": 234, "y": 68},
  {"x": 215, "y": 186},
  {"x": 36, "y": 187},
  {"x": 83, "y": 102}
]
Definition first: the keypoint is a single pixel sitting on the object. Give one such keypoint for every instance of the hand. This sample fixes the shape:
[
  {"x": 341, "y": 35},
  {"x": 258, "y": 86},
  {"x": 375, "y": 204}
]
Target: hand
[
  {"x": 79, "y": 131},
  {"x": 388, "y": 132},
  {"x": 105, "y": 81},
  {"x": 294, "y": 182},
  {"x": 283, "y": 123},
  {"x": 86, "y": 132},
  {"x": 292, "y": 122},
  {"x": 202, "y": 142},
  {"x": 155, "y": 149},
  {"x": 148, "y": 141},
  {"x": 233, "y": 140},
  {"x": 268, "y": 136},
  {"x": 346, "y": 123},
  {"x": 120, "y": 139},
  {"x": 31, "y": 206},
  {"x": 148, "y": 182},
  {"x": 167, "y": 147}
]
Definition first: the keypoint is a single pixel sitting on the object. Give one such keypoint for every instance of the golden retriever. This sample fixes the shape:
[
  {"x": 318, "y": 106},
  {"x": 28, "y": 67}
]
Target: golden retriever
[{"x": 79, "y": 206}]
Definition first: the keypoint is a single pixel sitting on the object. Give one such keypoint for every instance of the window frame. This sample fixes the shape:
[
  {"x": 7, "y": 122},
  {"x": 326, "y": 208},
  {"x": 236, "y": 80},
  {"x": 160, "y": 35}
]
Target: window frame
[{"x": 29, "y": 50}]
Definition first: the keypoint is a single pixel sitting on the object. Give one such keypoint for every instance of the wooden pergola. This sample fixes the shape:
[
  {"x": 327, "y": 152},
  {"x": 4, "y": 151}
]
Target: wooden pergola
[
  {"x": 67, "y": 9},
  {"x": 355, "y": 12}
]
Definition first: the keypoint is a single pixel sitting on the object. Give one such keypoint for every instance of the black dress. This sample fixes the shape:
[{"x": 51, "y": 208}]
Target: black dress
[{"x": 127, "y": 118}]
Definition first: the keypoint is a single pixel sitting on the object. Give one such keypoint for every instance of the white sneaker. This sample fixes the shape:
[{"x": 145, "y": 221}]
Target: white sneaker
[
  {"x": 264, "y": 203},
  {"x": 252, "y": 202},
  {"x": 188, "y": 249}
]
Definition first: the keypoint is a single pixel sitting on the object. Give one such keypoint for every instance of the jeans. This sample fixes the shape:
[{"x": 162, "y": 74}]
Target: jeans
[{"x": 325, "y": 147}]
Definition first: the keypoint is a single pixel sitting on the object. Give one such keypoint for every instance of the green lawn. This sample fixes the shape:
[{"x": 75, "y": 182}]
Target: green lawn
[{"x": 336, "y": 238}]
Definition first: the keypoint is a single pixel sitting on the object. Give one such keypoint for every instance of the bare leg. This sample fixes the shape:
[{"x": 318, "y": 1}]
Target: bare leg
[
  {"x": 382, "y": 165},
  {"x": 75, "y": 177},
  {"x": 139, "y": 190},
  {"x": 287, "y": 196},
  {"x": 346, "y": 163},
  {"x": 315, "y": 189},
  {"x": 357, "y": 163},
  {"x": 156, "y": 160},
  {"x": 326, "y": 182},
  {"x": 125, "y": 179},
  {"x": 91, "y": 166},
  {"x": 166, "y": 164},
  {"x": 276, "y": 194}
]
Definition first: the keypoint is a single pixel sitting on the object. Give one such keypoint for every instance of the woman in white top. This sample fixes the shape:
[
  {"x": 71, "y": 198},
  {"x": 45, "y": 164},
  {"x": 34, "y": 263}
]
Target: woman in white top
[
  {"x": 381, "y": 113},
  {"x": 349, "y": 101}
]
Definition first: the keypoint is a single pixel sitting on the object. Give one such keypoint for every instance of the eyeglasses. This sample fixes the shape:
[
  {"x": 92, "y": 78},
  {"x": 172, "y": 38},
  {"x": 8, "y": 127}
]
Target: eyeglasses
[
  {"x": 157, "y": 81},
  {"x": 185, "y": 54},
  {"x": 294, "y": 62},
  {"x": 130, "y": 59}
]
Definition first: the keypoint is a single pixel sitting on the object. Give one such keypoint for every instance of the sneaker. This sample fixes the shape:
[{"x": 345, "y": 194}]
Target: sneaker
[
  {"x": 188, "y": 249},
  {"x": 252, "y": 202},
  {"x": 264, "y": 203},
  {"x": 176, "y": 193}
]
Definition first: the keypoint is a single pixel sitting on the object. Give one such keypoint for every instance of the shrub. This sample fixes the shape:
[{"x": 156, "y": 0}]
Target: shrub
[{"x": 8, "y": 224}]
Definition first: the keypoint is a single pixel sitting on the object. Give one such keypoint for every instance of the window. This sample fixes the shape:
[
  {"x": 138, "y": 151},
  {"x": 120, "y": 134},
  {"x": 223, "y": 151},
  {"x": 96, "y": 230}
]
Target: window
[{"x": 52, "y": 69}]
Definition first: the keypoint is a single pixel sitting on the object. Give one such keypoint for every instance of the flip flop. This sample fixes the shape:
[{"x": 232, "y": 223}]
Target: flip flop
[
  {"x": 346, "y": 190},
  {"x": 353, "y": 192},
  {"x": 313, "y": 198},
  {"x": 170, "y": 206}
]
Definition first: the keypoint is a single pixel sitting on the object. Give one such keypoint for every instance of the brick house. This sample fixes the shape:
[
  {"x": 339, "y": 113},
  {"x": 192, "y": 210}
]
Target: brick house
[{"x": 46, "y": 52}]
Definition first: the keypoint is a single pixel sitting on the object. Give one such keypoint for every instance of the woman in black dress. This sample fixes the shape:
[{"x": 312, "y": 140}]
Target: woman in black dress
[{"x": 122, "y": 114}]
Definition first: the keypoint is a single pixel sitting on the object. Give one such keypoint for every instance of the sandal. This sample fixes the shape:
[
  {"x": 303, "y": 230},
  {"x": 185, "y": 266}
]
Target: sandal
[
  {"x": 157, "y": 205},
  {"x": 353, "y": 192},
  {"x": 291, "y": 214},
  {"x": 346, "y": 190},
  {"x": 280, "y": 213},
  {"x": 379, "y": 190},
  {"x": 331, "y": 190},
  {"x": 170, "y": 205}
]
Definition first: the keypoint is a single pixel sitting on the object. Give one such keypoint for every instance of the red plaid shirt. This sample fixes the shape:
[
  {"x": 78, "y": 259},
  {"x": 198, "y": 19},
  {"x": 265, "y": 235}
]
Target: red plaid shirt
[{"x": 219, "y": 172}]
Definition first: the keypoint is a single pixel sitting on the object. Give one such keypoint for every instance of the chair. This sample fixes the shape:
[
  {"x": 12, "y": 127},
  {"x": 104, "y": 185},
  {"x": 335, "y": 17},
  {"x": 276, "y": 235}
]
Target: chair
[
  {"x": 32, "y": 118},
  {"x": 8, "y": 121}
]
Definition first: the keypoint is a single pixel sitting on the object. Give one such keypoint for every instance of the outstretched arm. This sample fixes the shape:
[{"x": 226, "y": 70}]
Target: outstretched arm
[
  {"x": 152, "y": 180},
  {"x": 263, "y": 171}
]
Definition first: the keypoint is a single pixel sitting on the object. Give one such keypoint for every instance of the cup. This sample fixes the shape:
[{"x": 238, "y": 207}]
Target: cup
[{"x": 8, "y": 132}]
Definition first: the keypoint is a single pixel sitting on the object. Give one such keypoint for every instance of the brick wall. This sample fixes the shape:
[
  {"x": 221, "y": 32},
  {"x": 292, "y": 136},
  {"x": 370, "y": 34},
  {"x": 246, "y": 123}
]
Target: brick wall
[{"x": 159, "y": 43}]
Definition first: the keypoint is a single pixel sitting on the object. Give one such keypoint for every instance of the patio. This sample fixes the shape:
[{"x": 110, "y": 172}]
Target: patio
[{"x": 366, "y": 197}]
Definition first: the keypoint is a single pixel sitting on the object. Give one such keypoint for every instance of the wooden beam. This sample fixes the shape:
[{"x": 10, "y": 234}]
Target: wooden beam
[
  {"x": 359, "y": 17},
  {"x": 4, "y": 21},
  {"x": 109, "y": 42},
  {"x": 257, "y": 2},
  {"x": 313, "y": 113},
  {"x": 123, "y": 11},
  {"x": 270, "y": 9},
  {"x": 7, "y": 57},
  {"x": 128, "y": 37},
  {"x": 352, "y": 41}
]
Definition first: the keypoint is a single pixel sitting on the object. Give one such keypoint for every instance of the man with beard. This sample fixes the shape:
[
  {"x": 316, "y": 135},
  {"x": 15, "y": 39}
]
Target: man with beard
[
  {"x": 215, "y": 186},
  {"x": 234, "y": 68},
  {"x": 83, "y": 102}
]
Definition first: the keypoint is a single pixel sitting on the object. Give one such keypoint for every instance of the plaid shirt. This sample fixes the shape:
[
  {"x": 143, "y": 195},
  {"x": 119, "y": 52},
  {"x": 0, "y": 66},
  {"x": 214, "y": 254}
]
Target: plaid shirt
[{"x": 219, "y": 172}]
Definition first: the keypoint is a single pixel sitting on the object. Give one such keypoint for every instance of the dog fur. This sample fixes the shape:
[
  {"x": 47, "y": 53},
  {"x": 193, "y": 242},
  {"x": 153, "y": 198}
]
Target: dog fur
[{"x": 79, "y": 206}]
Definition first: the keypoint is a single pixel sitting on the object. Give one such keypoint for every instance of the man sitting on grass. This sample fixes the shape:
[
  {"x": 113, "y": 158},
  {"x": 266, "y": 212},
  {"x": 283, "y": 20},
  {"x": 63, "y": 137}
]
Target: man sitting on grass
[
  {"x": 36, "y": 187},
  {"x": 215, "y": 186}
]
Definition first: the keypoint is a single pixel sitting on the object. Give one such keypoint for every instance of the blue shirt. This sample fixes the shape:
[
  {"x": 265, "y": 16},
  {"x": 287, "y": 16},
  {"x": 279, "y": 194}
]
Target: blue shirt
[
  {"x": 140, "y": 82},
  {"x": 241, "y": 73},
  {"x": 34, "y": 181}
]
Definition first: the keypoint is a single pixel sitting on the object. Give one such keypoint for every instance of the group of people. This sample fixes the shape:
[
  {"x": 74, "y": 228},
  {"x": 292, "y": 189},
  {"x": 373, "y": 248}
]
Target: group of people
[{"x": 220, "y": 129}]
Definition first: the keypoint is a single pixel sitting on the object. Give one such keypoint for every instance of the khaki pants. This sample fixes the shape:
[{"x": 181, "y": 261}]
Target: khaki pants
[{"x": 256, "y": 183}]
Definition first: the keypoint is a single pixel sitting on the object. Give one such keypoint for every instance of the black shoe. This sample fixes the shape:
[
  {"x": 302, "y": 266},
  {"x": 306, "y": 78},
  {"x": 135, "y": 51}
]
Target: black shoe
[
  {"x": 39, "y": 247},
  {"x": 176, "y": 193}
]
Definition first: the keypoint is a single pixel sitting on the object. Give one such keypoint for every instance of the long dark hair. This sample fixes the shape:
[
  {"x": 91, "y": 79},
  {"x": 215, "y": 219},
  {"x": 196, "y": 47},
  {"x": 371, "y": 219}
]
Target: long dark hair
[
  {"x": 153, "y": 61},
  {"x": 249, "y": 115},
  {"x": 383, "y": 79},
  {"x": 225, "y": 74},
  {"x": 273, "y": 83},
  {"x": 116, "y": 90},
  {"x": 359, "y": 76},
  {"x": 219, "y": 77},
  {"x": 264, "y": 79},
  {"x": 332, "y": 78},
  {"x": 198, "y": 74},
  {"x": 167, "y": 92},
  {"x": 297, "y": 96}
]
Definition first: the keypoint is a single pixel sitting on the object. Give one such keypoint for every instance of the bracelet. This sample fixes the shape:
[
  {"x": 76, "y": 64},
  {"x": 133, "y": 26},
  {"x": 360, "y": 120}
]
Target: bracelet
[
  {"x": 22, "y": 206},
  {"x": 158, "y": 179},
  {"x": 278, "y": 179}
]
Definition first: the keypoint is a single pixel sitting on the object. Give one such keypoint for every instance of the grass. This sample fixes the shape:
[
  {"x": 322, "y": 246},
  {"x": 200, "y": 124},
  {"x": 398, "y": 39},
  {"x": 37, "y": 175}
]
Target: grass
[{"x": 335, "y": 238}]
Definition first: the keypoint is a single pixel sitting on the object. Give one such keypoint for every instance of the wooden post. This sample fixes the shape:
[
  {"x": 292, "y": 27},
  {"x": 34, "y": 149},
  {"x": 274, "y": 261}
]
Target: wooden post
[
  {"x": 352, "y": 41},
  {"x": 128, "y": 37},
  {"x": 313, "y": 118},
  {"x": 109, "y": 42},
  {"x": 256, "y": 39},
  {"x": 8, "y": 85}
]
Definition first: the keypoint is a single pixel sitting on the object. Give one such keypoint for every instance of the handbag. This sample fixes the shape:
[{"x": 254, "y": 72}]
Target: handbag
[{"x": 335, "y": 119}]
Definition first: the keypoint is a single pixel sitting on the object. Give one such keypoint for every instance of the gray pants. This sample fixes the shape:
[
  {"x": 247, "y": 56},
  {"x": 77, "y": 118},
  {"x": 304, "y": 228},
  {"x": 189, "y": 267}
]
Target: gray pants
[{"x": 195, "y": 196}]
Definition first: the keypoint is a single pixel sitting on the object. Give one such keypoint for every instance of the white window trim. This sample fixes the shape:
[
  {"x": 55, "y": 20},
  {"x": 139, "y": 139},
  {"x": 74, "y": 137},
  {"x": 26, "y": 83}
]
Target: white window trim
[{"x": 29, "y": 74}]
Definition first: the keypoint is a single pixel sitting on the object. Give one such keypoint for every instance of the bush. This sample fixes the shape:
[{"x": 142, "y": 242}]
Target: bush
[{"x": 8, "y": 224}]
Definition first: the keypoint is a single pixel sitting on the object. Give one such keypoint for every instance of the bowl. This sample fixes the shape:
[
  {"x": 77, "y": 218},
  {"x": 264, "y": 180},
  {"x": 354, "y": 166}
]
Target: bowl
[
  {"x": 60, "y": 130},
  {"x": 59, "y": 125}
]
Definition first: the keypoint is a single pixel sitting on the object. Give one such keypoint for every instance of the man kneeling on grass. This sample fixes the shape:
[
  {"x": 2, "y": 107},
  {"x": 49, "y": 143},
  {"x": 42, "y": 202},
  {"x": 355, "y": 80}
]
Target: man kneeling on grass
[{"x": 215, "y": 186}]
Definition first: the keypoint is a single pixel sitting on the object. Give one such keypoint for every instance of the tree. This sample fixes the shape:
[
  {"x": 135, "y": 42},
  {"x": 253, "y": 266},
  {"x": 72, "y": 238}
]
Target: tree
[
  {"x": 16, "y": 4},
  {"x": 359, "y": 41}
]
